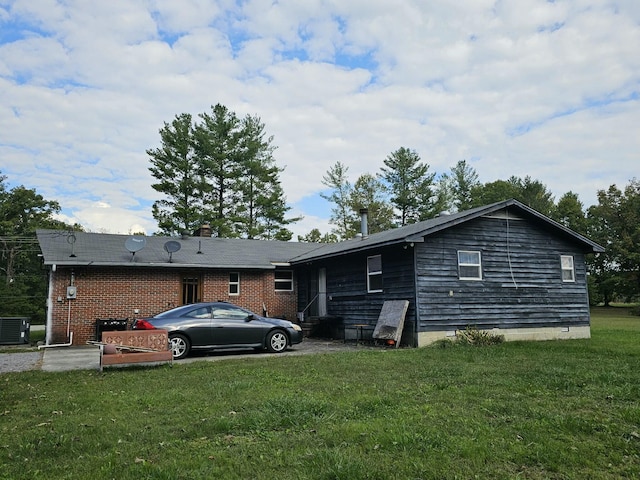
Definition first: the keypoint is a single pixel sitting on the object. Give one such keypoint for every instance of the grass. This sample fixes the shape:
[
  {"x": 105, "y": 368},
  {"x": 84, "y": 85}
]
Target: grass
[{"x": 531, "y": 410}]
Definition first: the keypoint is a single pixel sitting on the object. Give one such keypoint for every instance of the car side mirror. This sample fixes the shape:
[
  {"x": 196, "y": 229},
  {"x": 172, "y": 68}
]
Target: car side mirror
[{"x": 250, "y": 317}]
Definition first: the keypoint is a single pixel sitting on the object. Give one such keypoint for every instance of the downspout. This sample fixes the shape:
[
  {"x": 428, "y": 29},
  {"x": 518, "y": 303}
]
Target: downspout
[
  {"x": 49, "y": 322},
  {"x": 50, "y": 318},
  {"x": 416, "y": 328}
]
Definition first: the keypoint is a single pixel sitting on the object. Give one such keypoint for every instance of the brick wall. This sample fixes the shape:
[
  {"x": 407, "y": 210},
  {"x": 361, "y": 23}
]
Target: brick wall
[{"x": 120, "y": 292}]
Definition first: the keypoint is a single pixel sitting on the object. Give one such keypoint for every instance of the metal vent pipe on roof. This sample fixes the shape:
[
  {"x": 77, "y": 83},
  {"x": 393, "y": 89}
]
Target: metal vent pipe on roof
[{"x": 364, "y": 222}]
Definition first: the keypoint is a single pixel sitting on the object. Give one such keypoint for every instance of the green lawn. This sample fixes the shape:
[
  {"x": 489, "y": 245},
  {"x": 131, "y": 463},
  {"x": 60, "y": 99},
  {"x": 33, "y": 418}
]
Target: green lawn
[{"x": 537, "y": 410}]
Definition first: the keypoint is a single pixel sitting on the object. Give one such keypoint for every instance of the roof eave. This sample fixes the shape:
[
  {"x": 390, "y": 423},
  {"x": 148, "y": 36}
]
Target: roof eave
[{"x": 67, "y": 263}]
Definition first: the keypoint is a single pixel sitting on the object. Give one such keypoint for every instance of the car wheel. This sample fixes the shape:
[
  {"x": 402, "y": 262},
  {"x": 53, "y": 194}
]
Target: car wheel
[
  {"x": 179, "y": 346},
  {"x": 277, "y": 341}
]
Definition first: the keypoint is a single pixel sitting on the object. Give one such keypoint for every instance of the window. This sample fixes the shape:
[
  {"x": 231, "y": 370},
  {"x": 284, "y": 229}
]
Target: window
[
  {"x": 230, "y": 312},
  {"x": 202, "y": 312},
  {"x": 374, "y": 273},
  {"x": 283, "y": 280},
  {"x": 469, "y": 266},
  {"x": 568, "y": 272},
  {"x": 234, "y": 283}
]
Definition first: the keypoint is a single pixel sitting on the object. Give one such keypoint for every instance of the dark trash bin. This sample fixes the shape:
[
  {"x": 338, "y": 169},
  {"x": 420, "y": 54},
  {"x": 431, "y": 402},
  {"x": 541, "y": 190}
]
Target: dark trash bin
[{"x": 109, "y": 325}]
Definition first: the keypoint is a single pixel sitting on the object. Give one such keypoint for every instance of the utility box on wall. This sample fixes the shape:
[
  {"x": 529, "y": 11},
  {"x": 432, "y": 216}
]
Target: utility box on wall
[{"x": 14, "y": 330}]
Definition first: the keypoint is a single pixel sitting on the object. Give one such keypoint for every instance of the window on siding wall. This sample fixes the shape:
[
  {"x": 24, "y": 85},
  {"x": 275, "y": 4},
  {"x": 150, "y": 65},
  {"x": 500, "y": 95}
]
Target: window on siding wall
[
  {"x": 568, "y": 271},
  {"x": 469, "y": 265},
  {"x": 284, "y": 280},
  {"x": 374, "y": 273},
  {"x": 234, "y": 283}
]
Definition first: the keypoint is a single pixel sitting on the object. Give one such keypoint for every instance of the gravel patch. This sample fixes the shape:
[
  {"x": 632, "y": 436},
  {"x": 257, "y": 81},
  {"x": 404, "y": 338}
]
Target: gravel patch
[{"x": 20, "y": 361}]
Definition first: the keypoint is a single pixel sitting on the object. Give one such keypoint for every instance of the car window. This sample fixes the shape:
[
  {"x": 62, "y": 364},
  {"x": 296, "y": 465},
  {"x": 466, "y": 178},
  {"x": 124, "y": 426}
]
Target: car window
[
  {"x": 229, "y": 311},
  {"x": 202, "y": 312}
]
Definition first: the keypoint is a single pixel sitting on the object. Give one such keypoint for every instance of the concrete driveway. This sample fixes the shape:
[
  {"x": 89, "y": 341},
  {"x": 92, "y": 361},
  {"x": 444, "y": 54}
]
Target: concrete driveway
[{"x": 61, "y": 359}]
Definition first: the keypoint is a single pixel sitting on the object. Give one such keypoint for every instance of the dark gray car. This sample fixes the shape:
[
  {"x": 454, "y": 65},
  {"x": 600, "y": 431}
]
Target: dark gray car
[{"x": 217, "y": 325}]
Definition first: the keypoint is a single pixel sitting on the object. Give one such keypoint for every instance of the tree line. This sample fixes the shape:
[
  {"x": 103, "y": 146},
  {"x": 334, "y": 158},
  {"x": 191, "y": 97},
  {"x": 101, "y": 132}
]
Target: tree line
[
  {"x": 219, "y": 169},
  {"x": 23, "y": 282},
  {"x": 405, "y": 191}
]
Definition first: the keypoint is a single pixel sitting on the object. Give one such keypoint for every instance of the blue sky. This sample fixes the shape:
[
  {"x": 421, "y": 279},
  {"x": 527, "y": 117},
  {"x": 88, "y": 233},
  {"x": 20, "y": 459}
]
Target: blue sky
[{"x": 538, "y": 88}]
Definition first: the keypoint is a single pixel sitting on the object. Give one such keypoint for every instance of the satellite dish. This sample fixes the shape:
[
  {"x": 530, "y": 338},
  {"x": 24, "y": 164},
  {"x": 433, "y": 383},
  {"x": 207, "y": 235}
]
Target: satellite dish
[
  {"x": 171, "y": 247},
  {"x": 135, "y": 244},
  {"x": 71, "y": 239}
]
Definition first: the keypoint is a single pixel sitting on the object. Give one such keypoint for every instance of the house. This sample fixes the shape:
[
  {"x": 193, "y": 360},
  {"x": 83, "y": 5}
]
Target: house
[
  {"x": 96, "y": 278},
  {"x": 502, "y": 267}
]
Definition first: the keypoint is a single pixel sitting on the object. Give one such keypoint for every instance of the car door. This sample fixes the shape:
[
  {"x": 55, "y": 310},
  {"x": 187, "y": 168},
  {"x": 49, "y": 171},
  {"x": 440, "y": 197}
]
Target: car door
[
  {"x": 197, "y": 324},
  {"x": 232, "y": 326}
]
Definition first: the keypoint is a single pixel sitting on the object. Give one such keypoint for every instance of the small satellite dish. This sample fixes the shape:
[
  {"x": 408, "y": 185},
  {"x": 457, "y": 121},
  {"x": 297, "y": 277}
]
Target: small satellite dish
[
  {"x": 135, "y": 244},
  {"x": 71, "y": 240},
  {"x": 171, "y": 247}
]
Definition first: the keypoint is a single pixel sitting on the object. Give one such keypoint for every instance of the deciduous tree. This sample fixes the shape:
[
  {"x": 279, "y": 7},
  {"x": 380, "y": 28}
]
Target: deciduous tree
[
  {"x": 342, "y": 215},
  {"x": 368, "y": 193},
  {"x": 570, "y": 212},
  {"x": 615, "y": 223},
  {"x": 22, "y": 211}
]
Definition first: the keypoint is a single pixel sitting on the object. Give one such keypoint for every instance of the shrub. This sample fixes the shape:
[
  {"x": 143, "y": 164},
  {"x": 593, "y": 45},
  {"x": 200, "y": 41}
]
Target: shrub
[
  {"x": 443, "y": 343},
  {"x": 472, "y": 336}
]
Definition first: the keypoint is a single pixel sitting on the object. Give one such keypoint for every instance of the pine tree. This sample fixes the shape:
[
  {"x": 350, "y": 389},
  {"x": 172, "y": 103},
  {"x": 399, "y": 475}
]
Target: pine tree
[
  {"x": 410, "y": 184},
  {"x": 262, "y": 207},
  {"x": 219, "y": 171},
  {"x": 217, "y": 144},
  {"x": 175, "y": 166}
]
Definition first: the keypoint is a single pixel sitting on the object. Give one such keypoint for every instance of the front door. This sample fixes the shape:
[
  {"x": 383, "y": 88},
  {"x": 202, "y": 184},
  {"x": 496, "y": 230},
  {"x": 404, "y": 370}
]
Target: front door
[
  {"x": 322, "y": 292},
  {"x": 191, "y": 286}
]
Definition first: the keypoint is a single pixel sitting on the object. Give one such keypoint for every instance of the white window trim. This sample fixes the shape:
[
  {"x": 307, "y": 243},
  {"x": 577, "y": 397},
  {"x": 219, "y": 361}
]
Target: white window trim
[
  {"x": 371, "y": 273},
  {"x": 282, "y": 280},
  {"x": 572, "y": 269},
  {"x": 234, "y": 283},
  {"x": 478, "y": 265}
]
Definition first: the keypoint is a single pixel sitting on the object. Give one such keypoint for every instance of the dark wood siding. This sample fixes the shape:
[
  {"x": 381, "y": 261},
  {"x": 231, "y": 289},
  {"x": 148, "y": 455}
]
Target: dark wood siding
[
  {"x": 521, "y": 282},
  {"x": 347, "y": 287}
]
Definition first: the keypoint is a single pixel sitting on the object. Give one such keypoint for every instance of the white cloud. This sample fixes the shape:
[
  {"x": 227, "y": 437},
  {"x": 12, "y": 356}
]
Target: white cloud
[{"x": 546, "y": 89}]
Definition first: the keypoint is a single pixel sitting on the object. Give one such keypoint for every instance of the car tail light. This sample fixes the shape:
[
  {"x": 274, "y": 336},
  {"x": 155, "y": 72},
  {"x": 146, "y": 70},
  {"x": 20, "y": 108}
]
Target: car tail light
[{"x": 141, "y": 324}]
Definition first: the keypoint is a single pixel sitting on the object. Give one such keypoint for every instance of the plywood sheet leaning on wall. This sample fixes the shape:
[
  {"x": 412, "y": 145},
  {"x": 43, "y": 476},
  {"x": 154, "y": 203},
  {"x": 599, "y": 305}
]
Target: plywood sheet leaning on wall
[{"x": 391, "y": 321}]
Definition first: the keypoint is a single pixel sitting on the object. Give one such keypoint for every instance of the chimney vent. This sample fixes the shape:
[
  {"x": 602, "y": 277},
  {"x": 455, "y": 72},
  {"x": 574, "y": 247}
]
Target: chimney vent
[
  {"x": 203, "y": 231},
  {"x": 364, "y": 222}
]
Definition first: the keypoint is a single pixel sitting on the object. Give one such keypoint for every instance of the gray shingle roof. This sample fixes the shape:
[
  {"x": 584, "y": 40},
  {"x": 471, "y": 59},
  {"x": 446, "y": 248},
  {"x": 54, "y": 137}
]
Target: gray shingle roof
[
  {"x": 418, "y": 231},
  {"x": 59, "y": 247}
]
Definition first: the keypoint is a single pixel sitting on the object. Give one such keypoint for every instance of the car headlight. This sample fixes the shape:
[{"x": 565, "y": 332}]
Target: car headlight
[{"x": 296, "y": 327}]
